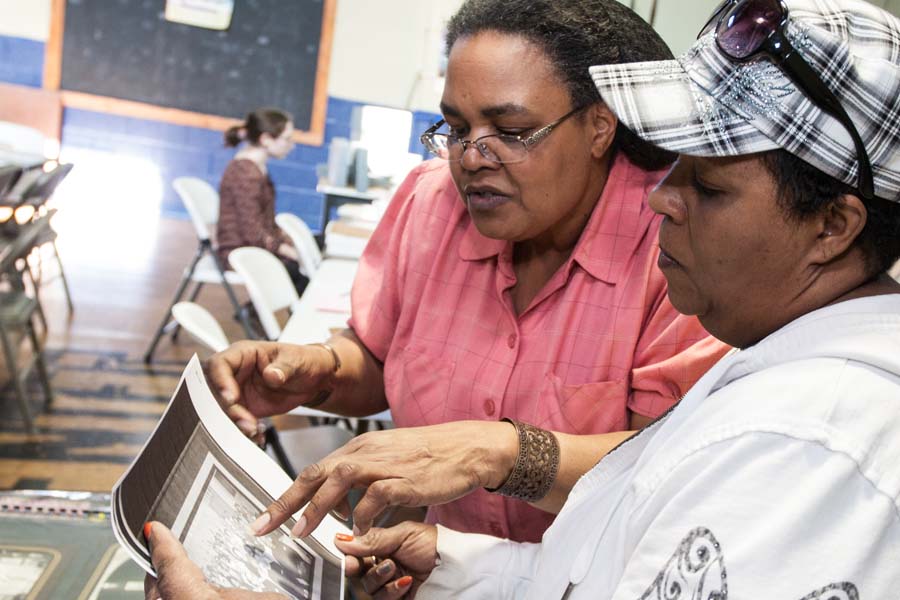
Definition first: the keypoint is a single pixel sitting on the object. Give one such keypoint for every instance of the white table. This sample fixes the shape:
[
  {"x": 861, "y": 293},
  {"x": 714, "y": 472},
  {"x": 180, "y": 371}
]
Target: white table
[{"x": 323, "y": 307}]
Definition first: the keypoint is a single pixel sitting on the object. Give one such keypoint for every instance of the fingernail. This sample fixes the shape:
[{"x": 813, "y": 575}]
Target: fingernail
[
  {"x": 343, "y": 537},
  {"x": 279, "y": 374},
  {"x": 384, "y": 568},
  {"x": 404, "y": 581},
  {"x": 147, "y": 528},
  {"x": 299, "y": 526},
  {"x": 355, "y": 530},
  {"x": 227, "y": 395},
  {"x": 246, "y": 425},
  {"x": 261, "y": 521}
]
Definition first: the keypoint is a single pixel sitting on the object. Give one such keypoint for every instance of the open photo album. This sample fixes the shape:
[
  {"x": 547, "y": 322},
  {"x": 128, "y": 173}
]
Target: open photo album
[{"x": 202, "y": 478}]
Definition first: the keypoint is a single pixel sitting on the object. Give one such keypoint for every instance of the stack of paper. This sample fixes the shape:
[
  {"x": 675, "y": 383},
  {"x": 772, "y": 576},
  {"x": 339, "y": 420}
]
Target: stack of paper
[{"x": 347, "y": 236}]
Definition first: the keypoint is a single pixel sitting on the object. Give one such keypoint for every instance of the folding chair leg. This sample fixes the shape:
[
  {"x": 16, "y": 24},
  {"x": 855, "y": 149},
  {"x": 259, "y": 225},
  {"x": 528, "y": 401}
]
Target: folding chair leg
[
  {"x": 65, "y": 282},
  {"x": 185, "y": 279},
  {"x": 40, "y": 265},
  {"x": 196, "y": 292},
  {"x": 36, "y": 288},
  {"x": 41, "y": 366},
  {"x": 272, "y": 441},
  {"x": 238, "y": 309},
  {"x": 17, "y": 383}
]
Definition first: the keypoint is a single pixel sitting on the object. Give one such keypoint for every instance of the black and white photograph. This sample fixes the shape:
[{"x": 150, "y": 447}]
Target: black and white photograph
[{"x": 213, "y": 529}]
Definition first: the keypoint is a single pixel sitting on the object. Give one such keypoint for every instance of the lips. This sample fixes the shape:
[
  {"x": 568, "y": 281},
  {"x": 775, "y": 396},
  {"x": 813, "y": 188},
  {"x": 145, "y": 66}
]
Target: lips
[
  {"x": 666, "y": 260},
  {"x": 484, "y": 197}
]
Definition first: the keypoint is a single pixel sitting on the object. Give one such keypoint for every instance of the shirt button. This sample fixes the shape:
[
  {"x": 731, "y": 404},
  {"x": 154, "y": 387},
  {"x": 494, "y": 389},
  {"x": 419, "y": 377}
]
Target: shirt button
[
  {"x": 496, "y": 530},
  {"x": 489, "y": 407},
  {"x": 511, "y": 340}
]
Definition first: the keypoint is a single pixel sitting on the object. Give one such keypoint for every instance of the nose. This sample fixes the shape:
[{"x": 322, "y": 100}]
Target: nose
[
  {"x": 666, "y": 200},
  {"x": 472, "y": 159}
]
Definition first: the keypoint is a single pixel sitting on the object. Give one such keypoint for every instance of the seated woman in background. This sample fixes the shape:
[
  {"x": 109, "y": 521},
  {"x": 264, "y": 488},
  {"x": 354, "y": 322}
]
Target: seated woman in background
[
  {"x": 247, "y": 194},
  {"x": 776, "y": 476},
  {"x": 515, "y": 275}
]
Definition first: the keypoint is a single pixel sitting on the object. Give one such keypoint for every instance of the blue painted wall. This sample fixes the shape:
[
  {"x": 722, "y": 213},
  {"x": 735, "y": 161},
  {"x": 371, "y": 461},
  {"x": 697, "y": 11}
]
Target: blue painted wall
[
  {"x": 180, "y": 151},
  {"x": 21, "y": 61}
]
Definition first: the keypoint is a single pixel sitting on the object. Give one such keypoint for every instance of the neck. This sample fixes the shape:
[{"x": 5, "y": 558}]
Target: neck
[
  {"x": 256, "y": 154},
  {"x": 558, "y": 241},
  {"x": 836, "y": 283},
  {"x": 536, "y": 260},
  {"x": 876, "y": 286}
]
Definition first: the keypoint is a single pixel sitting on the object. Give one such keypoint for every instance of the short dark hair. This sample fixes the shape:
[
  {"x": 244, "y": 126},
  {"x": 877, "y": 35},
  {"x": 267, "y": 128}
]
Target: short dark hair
[
  {"x": 805, "y": 191},
  {"x": 574, "y": 34},
  {"x": 260, "y": 121}
]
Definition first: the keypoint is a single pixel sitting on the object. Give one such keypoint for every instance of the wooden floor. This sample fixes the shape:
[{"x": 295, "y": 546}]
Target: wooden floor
[{"x": 106, "y": 399}]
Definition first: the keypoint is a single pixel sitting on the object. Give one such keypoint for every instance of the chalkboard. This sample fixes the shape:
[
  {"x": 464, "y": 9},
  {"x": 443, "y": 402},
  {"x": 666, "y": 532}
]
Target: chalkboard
[{"x": 271, "y": 55}]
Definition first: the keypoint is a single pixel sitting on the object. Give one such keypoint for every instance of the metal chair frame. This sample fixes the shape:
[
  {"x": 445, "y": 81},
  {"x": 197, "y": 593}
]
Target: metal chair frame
[
  {"x": 17, "y": 312},
  {"x": 188, "y": 189}
]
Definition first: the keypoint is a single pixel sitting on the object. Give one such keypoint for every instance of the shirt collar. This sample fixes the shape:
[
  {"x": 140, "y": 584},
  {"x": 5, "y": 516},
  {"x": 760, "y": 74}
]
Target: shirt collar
[{"x": 617, "y": 225}]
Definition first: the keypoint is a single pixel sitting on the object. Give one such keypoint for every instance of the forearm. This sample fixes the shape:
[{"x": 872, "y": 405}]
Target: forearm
[
  {"x": 357, "y": 389},
  {"x": 526, "y": 471},
  {"x": 577, "y": 455}
]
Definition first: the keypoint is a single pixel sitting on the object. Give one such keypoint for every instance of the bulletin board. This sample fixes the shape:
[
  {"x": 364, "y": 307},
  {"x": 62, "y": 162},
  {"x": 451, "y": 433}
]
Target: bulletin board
[{"x": 123, "y": 57}]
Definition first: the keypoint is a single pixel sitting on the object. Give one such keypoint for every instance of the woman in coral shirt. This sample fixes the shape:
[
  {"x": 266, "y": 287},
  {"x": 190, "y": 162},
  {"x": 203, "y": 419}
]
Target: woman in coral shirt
[{"x": 513, "y": 276}]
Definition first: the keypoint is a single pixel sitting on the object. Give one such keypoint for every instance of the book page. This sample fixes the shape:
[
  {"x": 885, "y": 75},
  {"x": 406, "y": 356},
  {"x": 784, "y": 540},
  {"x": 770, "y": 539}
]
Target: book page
[{"x": 201, "y": 477}]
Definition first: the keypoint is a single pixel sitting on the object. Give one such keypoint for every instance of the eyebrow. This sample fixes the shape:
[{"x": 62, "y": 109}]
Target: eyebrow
[{"x": 499, "y": 110}]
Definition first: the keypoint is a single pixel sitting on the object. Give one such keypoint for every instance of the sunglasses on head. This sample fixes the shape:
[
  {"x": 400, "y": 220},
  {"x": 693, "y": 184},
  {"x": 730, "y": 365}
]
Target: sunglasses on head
[{"x": 747, "y": 29}]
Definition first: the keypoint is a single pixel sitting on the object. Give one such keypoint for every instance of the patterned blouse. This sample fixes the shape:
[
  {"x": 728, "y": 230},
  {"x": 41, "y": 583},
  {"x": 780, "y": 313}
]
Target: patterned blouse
[{"x": 246, "y": 210}]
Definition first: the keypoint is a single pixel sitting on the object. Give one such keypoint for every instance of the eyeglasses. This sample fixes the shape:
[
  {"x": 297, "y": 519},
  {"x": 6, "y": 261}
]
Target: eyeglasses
[
  {"x": 746, "y": 29},
  {"x": 500, "y": 148}
]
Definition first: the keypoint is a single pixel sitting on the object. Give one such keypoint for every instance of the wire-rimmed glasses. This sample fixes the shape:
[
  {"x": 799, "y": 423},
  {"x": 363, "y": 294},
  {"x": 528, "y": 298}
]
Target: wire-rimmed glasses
[{"x": 502, "y": 148}]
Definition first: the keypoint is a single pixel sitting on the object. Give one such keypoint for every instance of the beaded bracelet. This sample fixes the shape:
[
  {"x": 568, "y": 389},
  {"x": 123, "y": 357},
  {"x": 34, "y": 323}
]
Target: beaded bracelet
[{"x": 537, "y": 464}]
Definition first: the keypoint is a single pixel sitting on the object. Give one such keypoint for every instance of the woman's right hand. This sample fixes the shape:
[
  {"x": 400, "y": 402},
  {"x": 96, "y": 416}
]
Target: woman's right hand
[
  {"x": 260, "y": 379},
  {"x": 391, "y": 562}
]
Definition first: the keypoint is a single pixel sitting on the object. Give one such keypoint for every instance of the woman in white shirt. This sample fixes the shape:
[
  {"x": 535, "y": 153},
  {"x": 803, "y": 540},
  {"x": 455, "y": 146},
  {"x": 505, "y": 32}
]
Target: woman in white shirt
[{"x": 775, "y": 477}]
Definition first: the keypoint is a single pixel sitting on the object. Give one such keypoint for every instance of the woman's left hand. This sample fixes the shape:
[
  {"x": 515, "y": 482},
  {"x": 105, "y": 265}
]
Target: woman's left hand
[
  {"x": 408, "y": 554},
  {"x": 180, "y": 579}
]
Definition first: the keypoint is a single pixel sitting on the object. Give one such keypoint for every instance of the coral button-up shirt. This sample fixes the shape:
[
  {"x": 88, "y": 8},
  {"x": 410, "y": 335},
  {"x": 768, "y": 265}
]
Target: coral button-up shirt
[{"x": 431, "y": 300}]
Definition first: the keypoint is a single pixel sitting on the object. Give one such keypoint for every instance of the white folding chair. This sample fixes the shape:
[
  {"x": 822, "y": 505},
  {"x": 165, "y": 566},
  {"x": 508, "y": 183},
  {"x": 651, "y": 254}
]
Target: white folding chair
[
  {"x": 294, "y": 448},
  {"x": 202, "y": 203},
  {"x": 303, "y": 240},
  {"x": 201, "y": 325},
  {"x": 268, "y": 284}
]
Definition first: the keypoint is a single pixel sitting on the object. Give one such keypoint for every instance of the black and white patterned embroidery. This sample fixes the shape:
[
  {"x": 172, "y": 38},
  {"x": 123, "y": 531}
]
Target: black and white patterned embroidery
[
  {"x": 836, "y": 591},
  {"x": 695, "y": 572}
]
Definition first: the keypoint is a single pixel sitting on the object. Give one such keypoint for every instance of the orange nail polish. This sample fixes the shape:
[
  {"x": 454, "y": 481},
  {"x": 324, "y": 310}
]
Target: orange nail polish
[
  {"x": 147, "y": 531},
  {"x": 404, "y": 581},
  {"x": 344, "y": 537}
]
